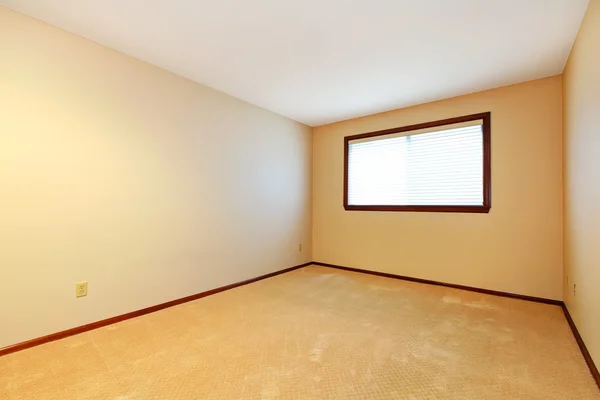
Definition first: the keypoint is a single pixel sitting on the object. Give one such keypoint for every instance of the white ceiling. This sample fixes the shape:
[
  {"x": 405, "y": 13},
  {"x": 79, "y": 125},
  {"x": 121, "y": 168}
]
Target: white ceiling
[{"x": 320, "y": 61}]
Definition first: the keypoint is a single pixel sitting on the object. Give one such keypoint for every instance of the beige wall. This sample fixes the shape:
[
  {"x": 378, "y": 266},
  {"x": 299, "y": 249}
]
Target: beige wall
[
  {"x": 147, "y": 185},
  {"x": 516, "y": 248},
  {"x": 582, "y": 180}
]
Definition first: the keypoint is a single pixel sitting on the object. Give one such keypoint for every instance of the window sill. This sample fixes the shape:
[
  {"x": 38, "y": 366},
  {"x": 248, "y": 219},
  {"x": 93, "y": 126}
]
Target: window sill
[{"x": 446, "y": 209}]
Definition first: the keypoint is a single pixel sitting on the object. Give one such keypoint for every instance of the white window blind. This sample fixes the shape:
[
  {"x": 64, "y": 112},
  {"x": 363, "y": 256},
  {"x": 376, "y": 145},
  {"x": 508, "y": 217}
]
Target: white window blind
[{"x": 438, "y": 166}]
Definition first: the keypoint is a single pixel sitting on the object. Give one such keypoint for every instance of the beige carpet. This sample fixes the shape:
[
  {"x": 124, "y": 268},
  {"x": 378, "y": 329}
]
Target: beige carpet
[{"x": 316, "y": 333}]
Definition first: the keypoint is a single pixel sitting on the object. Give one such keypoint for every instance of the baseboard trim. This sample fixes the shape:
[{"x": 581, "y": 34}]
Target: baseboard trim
[
  {"x": 109, "y": 321},
  {"x": 586, "y": 354},
  {"x": 450, "y": 285}
]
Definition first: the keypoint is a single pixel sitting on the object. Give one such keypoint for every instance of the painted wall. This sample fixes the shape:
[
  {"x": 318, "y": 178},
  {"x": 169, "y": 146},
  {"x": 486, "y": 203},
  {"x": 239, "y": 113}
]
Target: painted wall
[
  {"x": 582, "y": 180},
  {"x": 516, "y": 248},
  {"x": 147, "y": 185}
]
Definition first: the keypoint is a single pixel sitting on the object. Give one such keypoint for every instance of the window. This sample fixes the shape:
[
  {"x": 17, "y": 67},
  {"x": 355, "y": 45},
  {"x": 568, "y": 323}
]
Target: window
[{"x": 441, "y": 166}]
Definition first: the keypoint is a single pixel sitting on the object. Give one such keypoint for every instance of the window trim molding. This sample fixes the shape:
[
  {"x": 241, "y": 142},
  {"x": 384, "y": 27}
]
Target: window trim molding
[{"x": 487, "y": 167}]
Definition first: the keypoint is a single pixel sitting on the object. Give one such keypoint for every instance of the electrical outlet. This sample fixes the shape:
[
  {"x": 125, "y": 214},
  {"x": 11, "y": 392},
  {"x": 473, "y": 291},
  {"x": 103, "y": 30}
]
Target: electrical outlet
[
  {"x": 300, "y": 247},
  {"x": 574, "y": 289},
  {"x": 81, "y": 289}
]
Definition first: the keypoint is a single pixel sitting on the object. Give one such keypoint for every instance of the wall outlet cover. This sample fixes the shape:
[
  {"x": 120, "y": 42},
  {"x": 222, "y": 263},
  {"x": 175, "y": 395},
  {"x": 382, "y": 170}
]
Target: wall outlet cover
[{"x": 81, "y": 289}]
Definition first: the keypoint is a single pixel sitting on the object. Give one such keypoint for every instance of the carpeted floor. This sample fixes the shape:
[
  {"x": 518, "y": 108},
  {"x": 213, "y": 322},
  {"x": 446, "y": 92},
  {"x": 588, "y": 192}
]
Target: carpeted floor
[{"x": 316, "y": 333}]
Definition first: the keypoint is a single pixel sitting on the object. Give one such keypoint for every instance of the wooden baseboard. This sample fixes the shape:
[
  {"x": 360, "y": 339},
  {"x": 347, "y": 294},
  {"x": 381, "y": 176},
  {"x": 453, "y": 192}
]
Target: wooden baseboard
[
  {"x": 450, "y": 285},
  {"x": 586, "y": 354},
  {"x": 109, "y": 321},
  {"x": 119, "y": 318}
]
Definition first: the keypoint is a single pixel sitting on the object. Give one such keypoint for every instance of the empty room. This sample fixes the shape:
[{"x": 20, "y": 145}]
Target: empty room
[{"x": 334, "y": 199}]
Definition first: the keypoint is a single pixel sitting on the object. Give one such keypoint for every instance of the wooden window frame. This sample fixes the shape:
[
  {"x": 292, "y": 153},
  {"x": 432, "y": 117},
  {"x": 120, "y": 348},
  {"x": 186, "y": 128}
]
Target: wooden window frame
[{"x": 487, "y": 167}]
